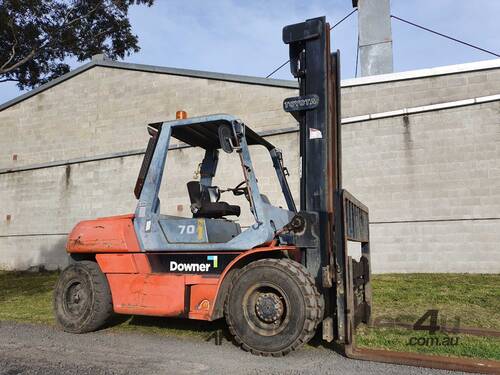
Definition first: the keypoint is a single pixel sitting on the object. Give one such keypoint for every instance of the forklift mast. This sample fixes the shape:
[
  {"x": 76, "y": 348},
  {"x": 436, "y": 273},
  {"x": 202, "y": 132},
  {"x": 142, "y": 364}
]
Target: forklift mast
[{"x": 340, "y": 217}]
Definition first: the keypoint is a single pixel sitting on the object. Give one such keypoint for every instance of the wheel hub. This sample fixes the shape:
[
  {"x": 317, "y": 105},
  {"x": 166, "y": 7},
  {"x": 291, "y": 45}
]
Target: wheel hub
[
  {"x": 269, "y": 307},
  {"x": 75, "y": 299},
  {"x": 75, "y": 295}
]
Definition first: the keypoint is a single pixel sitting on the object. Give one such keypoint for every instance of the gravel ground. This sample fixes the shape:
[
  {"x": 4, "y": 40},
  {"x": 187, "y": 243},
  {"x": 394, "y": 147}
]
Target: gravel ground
[{"x": 37, "y": 349}]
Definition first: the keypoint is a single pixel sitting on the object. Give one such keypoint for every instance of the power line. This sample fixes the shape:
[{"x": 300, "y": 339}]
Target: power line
[
  {"x": 278, "y": 68},
  {"x": 446, "y": 36},
  {"x": 331, "y": 28},
  {"x": 343, "y": 19}
]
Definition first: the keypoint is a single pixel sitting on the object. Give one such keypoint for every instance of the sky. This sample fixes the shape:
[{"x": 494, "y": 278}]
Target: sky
[{"x": 244, "y": 37}]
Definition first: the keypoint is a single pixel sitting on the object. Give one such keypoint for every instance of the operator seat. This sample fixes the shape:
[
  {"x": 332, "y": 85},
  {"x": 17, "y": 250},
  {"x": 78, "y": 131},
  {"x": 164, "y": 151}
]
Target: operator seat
[{"x": 202, "y": 205}]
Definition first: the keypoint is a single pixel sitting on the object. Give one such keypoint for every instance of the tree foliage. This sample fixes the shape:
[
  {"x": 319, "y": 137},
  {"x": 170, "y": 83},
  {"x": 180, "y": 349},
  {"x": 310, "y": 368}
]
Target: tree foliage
[{"x": 38, "y": 36}]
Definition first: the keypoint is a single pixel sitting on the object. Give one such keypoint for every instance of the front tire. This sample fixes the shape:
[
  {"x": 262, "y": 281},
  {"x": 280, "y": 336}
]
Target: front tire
[
  {"x": 273, "y": 307},
  {"x": 82, "y": 298}
]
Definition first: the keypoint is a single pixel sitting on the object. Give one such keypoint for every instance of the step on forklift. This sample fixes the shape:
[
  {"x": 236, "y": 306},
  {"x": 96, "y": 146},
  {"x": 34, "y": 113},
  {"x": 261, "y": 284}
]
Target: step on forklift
[{"x": 276, "y": 281}]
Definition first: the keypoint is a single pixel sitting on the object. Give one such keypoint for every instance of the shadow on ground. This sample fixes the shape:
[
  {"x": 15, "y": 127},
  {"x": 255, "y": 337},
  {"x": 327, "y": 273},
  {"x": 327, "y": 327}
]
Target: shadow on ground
[
  {"x": 182, "y": 327},
  {"x": 210, "y": 331}
]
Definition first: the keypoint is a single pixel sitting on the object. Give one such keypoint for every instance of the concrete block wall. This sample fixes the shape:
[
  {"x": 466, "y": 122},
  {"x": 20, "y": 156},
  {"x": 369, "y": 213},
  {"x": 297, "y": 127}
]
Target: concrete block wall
[
  {"x": 431, "y": 180},
  {"x": 432, "y": 183},
  {"x": 393, "y": 95},
  {"x": 105, "y": 110}
]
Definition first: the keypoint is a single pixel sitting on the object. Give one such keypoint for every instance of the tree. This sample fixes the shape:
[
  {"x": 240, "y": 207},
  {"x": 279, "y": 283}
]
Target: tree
[{"x": 37, "y": 36}]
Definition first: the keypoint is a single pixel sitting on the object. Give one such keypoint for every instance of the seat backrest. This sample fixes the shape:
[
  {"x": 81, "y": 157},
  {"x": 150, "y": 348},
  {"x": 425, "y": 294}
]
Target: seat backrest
[{"x": 194, "y": 191}]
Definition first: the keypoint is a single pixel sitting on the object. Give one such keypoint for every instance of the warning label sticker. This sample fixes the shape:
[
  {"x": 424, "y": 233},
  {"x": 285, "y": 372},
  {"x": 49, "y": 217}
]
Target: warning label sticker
[{"x": 315, "y": 134}]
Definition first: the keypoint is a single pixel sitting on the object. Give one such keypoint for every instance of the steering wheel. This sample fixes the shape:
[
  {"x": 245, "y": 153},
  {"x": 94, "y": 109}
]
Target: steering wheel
[{"x": 240, "y": 189}]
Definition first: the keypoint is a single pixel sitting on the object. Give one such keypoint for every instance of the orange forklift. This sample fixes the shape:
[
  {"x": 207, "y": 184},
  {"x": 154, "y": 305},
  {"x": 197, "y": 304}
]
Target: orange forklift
[{"x": 276, "y": 281}]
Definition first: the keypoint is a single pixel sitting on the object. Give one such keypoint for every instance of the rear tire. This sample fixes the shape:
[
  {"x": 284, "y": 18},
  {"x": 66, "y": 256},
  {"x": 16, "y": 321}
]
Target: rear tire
[
  {"x": 273, "y": 307},
  {"x": 82, "y": 298}
]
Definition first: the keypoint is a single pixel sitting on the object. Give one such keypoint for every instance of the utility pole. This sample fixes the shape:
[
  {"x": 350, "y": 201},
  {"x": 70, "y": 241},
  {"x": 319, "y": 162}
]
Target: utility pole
[{"x": 375, "y": 36}]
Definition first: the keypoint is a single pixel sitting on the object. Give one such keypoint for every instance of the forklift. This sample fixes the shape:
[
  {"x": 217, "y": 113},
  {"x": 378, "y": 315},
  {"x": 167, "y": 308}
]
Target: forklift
[{"x": 275, "y": 281}]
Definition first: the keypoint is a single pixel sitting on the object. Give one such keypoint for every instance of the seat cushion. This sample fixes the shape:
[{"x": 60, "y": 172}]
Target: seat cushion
[{"x": 216, "y": 210}]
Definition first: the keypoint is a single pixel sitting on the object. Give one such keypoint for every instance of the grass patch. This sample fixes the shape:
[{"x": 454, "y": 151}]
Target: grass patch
[
  {"x": 474, "y": 299},
  {"x": 437, "y": 344},
  {"x": 27, "y": 296},
  {"x": 461, "y": 299}
]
